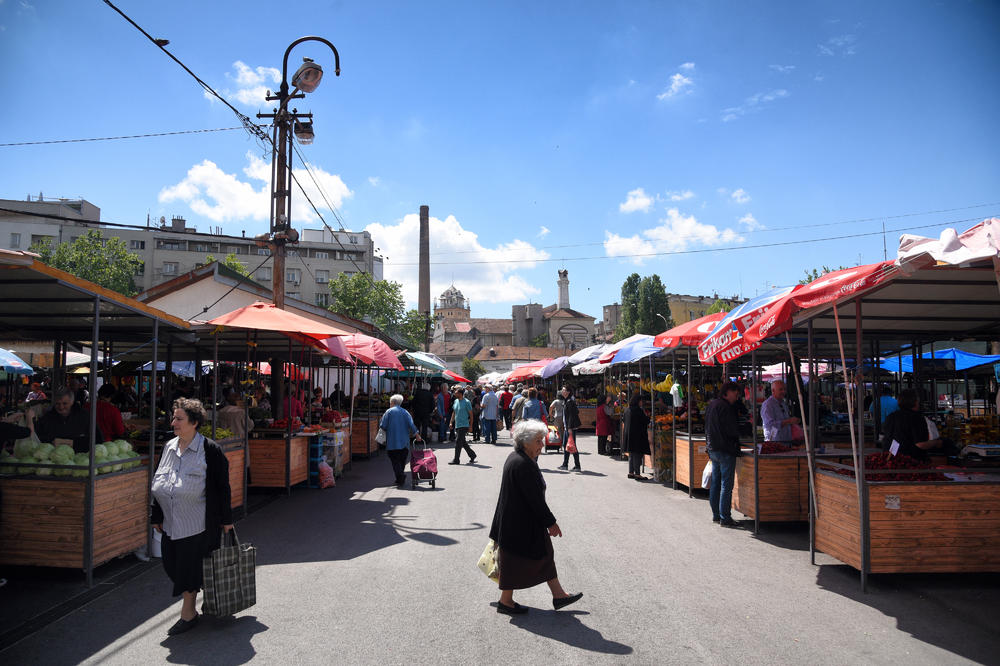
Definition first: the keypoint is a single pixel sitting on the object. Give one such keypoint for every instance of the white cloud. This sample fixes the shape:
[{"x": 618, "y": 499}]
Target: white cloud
[
  {"x": 678, "y": 84},
  {"x": 543, "y": 232},
  {"x": 753, "y": 104},
  {"x": 676, "y": 232},
  {"x": 842, "y": 45},
  {"x": 750, "y": 223},
  {"x": 637, "y": 200},
  {"x": 681, "y": 195},
  {"x": 783, "y": 69},
  {"x": 251, "y": 84},
  {"x": 497, "y": 281},
  {"x": 225, "y": 197},
  {"x": 374, "y": 181},
  {"x": 740, "y": 196},
  {"x": 687, "y": 66}
]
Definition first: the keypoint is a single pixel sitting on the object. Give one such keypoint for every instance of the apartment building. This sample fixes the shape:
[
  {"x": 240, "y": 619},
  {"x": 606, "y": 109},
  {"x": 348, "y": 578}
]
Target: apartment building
[{"x": 169, "y": 249}]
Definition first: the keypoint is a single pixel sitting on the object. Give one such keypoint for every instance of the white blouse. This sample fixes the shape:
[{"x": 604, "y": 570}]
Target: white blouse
[{"x": 179, "y": 488}]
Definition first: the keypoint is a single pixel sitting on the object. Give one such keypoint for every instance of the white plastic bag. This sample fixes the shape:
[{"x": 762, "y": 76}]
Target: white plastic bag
[{"x": 706, "y": 476}]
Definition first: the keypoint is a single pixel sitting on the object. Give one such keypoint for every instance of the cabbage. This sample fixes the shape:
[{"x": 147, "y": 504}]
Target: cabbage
[
  {"x": 112, "y": 449},
  {"x": 26, "y": 470},
  {"x": 62, "y": 451},
  {"x": 25, "y": 448},
  {"x": 44, "y": 470},
  {"x": 100, "y": 451},
  {"x": 43, "y": 451},
  {"x": 7, "y": 458},
  {"x": 124, "y": 446}
]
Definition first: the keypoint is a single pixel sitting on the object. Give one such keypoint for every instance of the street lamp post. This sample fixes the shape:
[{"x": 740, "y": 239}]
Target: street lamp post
[
  {"x": 666, "y": 324},
  {"x": 305, "y": 80}
]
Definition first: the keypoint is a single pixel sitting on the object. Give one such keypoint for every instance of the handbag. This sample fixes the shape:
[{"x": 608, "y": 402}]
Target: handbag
[
  {"x": 380, "y": 436},
  {"x": 489, "y": 561},
  {"x": 229, "y": 577},
  {"x": 571, "y": 443}
]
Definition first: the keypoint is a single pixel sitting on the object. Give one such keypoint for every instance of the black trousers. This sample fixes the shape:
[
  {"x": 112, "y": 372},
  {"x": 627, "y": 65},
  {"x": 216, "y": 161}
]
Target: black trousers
[
  {"x": 423, "y": 423},
  {"x": 635, "y": 463},
  {"x": 508, "y": 417},
  {"x": 476, "y": 428},
  {"x": 398, "y": 457},
  {"x": 602, "y": 445},
  {"x": 460, "y": 444}
]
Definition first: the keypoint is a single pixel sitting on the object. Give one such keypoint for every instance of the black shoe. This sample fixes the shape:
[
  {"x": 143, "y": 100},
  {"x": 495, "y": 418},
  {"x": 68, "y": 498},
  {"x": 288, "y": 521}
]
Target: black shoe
[
  {"x": 563, "y": 467},
  {"x": 454, "y": 462},
  {"x": 728, "y": 522},
  {"x": 566, "y": 601},
  {"x": 472, "y": 461},
  {"x": 183, "y": 625},
  {"x": 716, "y": 519},
  {"x": 517, "y": 609},
  {"x": 576, "y": 469}
]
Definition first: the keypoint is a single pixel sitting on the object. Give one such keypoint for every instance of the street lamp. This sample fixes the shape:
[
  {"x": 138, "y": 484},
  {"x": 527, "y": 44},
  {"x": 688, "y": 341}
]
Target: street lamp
[
  {"x": 288, "y": 125},
  {"x": 666, "y": 323}
]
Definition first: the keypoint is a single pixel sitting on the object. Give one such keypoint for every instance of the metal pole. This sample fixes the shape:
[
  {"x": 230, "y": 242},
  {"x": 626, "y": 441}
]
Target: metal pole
[
  {"x": 151, "y": 467},
  {"x": 652, "y": 410},
  {"x": 215, "y": 382},
  {"x": 813, "y": 429},
  {"x": 88, "y": 516},
  {"x": 690, "y": 426},
  {"x": 756, "y": 452},
  {"x": 802, "y": 412},
  {"x": 860, "y": 397},
  {"x": 288, "y": 432},
  {"x": 673, "y": 426}
]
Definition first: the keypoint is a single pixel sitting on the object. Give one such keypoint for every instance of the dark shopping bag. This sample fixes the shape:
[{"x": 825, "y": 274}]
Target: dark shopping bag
[{"x": 229, "y": 577}]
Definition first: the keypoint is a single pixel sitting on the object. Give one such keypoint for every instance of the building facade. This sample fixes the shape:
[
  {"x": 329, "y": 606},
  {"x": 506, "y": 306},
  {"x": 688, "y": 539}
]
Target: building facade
[
  {"x": 172, "y": 249},
  {"x": 565, "y": 329},
  {"x": 684, "y": 307}
]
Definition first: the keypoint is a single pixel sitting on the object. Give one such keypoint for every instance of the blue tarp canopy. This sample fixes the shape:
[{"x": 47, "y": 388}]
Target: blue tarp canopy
[
  {"x": 637, "y": 350},
  {"x": 963, "y": 360},
  {"x": 179, "y": 368}
]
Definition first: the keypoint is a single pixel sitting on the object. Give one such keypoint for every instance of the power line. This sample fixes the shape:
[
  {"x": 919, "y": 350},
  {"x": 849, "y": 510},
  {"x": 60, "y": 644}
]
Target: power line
[
  {"x": 703, "y": 250},
  {"x": 231, "y": 289},
  {"x": 118, "y": 138}
]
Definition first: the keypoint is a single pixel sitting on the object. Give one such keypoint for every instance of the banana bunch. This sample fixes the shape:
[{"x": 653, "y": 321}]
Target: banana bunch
[{"x": 665, "y": 385}]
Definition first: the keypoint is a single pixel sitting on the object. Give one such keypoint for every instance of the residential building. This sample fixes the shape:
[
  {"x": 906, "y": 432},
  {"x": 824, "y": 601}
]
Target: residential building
[
  {"x": 684, "y": 308},
  {"x": 458, "y": 335},
  {"x": 170, "y": 250}
]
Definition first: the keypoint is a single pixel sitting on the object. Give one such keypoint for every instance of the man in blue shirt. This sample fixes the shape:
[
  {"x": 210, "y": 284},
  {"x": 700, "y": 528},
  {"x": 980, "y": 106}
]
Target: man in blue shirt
[
  {"x": 491, "y": 410},
  {"x": 461, "y": 418},
  {"x": 399, "y": 427},
  {"x": 776, "y": 417}
]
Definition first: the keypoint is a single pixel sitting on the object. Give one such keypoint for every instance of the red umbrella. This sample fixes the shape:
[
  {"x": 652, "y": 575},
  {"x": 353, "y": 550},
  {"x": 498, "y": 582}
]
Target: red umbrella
[
  {"x": 528, "y": 370},
  {"x": 293, "y": 372},
  {"x": 456, "y": 377},
  {"x": 266, "y": 317},
  {"x": 689, "y": 333},
  {"x": 369, "y": 350},
  {"x": 829, "y": 288}
]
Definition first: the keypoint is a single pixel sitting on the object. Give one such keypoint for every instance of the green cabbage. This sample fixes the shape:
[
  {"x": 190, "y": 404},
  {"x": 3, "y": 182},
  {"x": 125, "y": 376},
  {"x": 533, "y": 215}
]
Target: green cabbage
[
  {"x": 101, "y": 451},
  {"x": 62, "y": 451},
  {"x": 25, "y": 448},
  {"x": 26, "y": 470}
]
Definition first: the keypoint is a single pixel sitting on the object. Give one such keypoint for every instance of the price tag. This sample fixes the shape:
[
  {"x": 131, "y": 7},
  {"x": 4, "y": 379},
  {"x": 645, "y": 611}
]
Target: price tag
[
  {"x": 892, "y": 501},
  {"x": 894, "y": 447}
]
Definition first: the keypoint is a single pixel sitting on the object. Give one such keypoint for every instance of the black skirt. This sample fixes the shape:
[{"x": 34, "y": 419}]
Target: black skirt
[
  {"x": 182, "y": 559},
  {"x": 518, "y": 572}
]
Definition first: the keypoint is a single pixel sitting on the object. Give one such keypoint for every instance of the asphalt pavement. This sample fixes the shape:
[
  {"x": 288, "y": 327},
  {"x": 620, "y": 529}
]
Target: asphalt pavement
[{"x": 368, "y": 573}]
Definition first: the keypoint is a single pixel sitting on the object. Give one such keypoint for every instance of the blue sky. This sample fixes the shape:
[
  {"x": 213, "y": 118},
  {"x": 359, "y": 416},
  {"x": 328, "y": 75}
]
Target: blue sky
[{"x": 541, "y": 135}]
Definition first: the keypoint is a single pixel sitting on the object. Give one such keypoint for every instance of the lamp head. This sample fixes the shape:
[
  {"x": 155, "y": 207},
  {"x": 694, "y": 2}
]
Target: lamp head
[
  {"x": 308, "y": 76},
  {"x": 304, "y": 132}
]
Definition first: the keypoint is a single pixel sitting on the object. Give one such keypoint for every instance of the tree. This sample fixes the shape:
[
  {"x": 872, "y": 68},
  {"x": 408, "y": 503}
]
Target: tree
[
  {"x": 413, "y": 328},
  {"x": 630, "y": 307},
  {"x": 816, "y": 274},
  {"x": 540, "y": 341},
  {"x": 230, "y": 262},
  {"x": 472, "y": 369},
  {"x": 380, "y": 302},
  {"x": 718, "y": 306},
  {"x": 103, "y": 261},
  {"x": 652, "y": 303}
]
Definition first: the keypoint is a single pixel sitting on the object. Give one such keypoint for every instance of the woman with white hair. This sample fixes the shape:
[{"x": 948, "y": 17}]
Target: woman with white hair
[
  {"x": 399, "y": 427},
  {"x": 523, "y": 526}
]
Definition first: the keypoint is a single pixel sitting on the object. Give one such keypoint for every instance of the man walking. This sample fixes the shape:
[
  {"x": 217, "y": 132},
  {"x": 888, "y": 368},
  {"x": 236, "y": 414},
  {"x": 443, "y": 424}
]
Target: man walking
[
  {"x": 723, "y": 434},
  {"x": 490, "y": 409},
  {"x": 775, "y": 416},
  {"x": 423, "y": 406},
  {"x": 442, "y": 408},
  {"x": 461, "y": 417},
  {"x": 506, "y": 397}
]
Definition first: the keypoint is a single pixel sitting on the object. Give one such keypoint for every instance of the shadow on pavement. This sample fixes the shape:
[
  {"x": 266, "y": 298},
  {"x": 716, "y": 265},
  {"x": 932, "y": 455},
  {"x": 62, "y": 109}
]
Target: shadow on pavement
[
  {"x": 566, "y": 627},
  {"x": 790, "y": 536},
  {"x": 945, "y": 610},
  {"x": 216, "y": 642}
]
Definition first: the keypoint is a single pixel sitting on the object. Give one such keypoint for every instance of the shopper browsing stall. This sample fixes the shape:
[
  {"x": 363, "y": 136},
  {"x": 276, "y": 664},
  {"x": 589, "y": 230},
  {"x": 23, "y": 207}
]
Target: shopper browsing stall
[
  {"x": 723, "y": 445},
  {"x": 907, "y": 432}
]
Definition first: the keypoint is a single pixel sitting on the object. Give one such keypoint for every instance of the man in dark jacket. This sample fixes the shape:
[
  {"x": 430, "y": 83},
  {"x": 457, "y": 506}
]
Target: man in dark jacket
[
  {"x": 423, "y": 406},
  {"x": 722, "y": 431}
]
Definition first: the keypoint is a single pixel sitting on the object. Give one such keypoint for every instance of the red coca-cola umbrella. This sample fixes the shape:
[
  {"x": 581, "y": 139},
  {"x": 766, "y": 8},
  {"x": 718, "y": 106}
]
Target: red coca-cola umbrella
[
  {"x": 689, "y": 333},
  {"x": 369, "y": 350},
  {"x": 455, "y": 377},
  {"x": 262, "y": 316}
]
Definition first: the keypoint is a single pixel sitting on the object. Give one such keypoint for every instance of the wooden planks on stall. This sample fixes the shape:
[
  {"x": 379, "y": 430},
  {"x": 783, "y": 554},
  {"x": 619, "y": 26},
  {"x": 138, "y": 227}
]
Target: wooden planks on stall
[
  {"x": 838, "y": 531},
  {"x": 121, "y": 514},
  {"x": 685, "y": 475},
  {"x": 588, "y": 416},
  {"x": 363, "y": 431},
  {"x": 237, "y": 460},
  {"x": 267, "y": 462},
  {"x": 783, "y": 487}
]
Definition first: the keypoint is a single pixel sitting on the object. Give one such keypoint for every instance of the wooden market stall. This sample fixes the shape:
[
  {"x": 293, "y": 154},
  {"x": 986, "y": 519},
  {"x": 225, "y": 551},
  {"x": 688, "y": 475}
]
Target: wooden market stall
[{"x": 64, "y": 520}]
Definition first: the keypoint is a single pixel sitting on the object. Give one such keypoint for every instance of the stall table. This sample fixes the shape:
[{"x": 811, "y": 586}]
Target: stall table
[
  {"x": 912, "y": 526},
  {"x": 685, "y": 474},
  {"x": 363, "y": 431},
  {"x": 42, "y": 519},
  {"x": 267, "y": 459},
  {"x": 588, "y": 416}
]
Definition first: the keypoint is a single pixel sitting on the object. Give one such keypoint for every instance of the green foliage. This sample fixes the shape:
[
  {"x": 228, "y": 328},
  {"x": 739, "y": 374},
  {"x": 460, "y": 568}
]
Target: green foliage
[
  {"x": 541, "y": 341},
  {"x": 231, "y": 262},
  {"x": 413, "y": 328},
  {"x": 630, "y": 307},
  {"x": 816, "y": 274},
  {"x": 380, "y": 303},
  {"x": 643, "y": 299},
  {"x": 472, "y": 369},
  {"x": 717, "y": 306},
  {"x": 103, "y": 261}
]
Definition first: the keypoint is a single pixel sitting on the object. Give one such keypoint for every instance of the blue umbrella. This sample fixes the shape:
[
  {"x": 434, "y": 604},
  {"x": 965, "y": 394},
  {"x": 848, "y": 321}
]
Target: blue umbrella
[
  {"x": 11, "y": 364},
  {"x": 963, "y": 360},
  {"x": 553, "y": 367},
  {"x": 637, "y": 350}
]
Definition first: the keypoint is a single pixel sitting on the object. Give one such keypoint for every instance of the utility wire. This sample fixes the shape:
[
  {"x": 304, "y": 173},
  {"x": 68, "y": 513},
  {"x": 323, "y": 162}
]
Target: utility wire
[
  {"x": 231, "y": 290},
  {"x": 118, "y": 138}
]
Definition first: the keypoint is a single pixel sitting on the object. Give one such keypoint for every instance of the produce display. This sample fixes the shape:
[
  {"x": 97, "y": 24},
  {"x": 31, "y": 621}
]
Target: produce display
[
  {"x": 282, "y": 424},
  {"x": 220, "y": 433},
  {"x": 773, "y": 447},
  {"x": 887, "y": 461},
  {"x": 44, "y": 458}
]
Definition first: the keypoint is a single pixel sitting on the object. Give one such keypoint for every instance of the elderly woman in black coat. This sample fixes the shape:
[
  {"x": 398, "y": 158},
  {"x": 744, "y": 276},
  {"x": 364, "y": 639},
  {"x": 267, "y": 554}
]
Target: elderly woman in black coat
[
  {"x": 636, "y": 438},
  {"x": 523, "y": 526}
]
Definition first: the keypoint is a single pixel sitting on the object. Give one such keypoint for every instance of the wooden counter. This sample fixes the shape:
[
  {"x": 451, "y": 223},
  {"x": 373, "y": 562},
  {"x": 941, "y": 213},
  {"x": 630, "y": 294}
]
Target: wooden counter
[
  {"x": 588, "y": 416},
  {"x": 363, "y": 431},
  {"x": 42, "y": 519},
  {"x": 783, "y": 487},
  {"x": 685, "y": 474},
  {"x": 912, "y": 526},
  {"x": 236, "y": 455},
  {"x": 267, "y": 461}
]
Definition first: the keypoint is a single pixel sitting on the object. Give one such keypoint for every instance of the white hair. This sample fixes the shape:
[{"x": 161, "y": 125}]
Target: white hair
[
  {"x": 395, "y": 400},
  {"x": 526, "y": 431}
]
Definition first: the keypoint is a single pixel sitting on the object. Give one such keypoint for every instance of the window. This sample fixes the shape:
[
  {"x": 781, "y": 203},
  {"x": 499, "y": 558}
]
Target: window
[
  {"x": 35, "y": 238},
  {"x": 322, "y": 277},
  {"x": 293, "y": 253},
  {"x": 264, "y": 274},
  {"x": 323, "y": 300},
  {"x": 322, "y": 255},
  {"x": 264, "y": 251},
  {"x": 169, "y": 245},
  {"x": 233, "y": 249},
  {"x": 199, "y": 247},
  {"x": 15, "y": 241},
  {"x": 141, "y": 270},
  {"x": 170, "y": 268},
  {"x": 354, "y": 240},
  {"x": 292, "y": 276},
  {"x": 292, "y": 294},
  {"x": 137, "y": 245}
]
